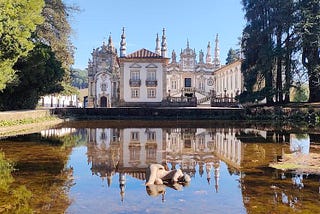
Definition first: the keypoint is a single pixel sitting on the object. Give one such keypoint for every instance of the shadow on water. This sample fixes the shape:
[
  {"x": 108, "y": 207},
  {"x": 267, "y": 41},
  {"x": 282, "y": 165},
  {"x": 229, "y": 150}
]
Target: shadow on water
[{"x": 100, "y": 167}]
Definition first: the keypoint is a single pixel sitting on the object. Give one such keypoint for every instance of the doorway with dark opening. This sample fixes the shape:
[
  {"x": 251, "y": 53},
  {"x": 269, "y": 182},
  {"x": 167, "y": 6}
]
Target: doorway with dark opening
[{"x": 103, "y": 102}]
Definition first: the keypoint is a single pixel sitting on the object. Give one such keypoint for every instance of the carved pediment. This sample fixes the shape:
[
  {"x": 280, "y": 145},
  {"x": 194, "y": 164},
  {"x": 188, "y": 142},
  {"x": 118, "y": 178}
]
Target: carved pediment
[
  {"x": 151, "y": 66},
  {"x": 135, "y": 65}
]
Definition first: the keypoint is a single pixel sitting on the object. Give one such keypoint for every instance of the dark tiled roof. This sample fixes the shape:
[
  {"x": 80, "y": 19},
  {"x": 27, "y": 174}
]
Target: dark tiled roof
[{"x": 143, "y": 53}]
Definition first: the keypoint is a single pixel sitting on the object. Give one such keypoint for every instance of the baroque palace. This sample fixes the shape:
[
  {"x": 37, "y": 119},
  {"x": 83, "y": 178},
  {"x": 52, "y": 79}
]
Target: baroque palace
[{"x": 146, "y": 78}]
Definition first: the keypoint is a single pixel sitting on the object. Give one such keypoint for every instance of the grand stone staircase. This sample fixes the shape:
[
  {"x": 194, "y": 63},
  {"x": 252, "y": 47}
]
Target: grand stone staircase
[{"x": 202, "y": 96}]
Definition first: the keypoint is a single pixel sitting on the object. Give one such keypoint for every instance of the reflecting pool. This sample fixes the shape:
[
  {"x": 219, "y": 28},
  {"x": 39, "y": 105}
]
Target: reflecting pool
[{"x": 100, "y": 167}]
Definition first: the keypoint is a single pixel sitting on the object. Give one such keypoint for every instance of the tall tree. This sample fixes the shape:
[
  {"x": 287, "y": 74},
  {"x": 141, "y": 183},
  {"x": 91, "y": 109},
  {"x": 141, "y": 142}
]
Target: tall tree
[
  {"x": 79, "y": 78},
  {"x": 38, "y": 74},
  {"x": 308, "y": 29},
  {"x": 257, "y": 44},
  {"x": 232, "y": 56},
  {"x": 282, "y": 23},
  {"x": 268, "y": 41},
  {"x": 56, "y": 30},
  {"x": 18, "y": 19}
]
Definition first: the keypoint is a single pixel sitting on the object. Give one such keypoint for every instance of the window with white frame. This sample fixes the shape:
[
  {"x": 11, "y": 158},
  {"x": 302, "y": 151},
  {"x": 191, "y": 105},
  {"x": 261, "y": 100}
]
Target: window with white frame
[
  {"x": 135, "y": 92},
  {"x": 151, "y": 75},
  {"x": 201, "y": 85},
  {"x": 135, "y": 75},
  {"x": 151, "y": 136},
  {"x": 151, "y": 92},
  {"x": 174, "y": 84},
  {"x": 134, "y": 136}
]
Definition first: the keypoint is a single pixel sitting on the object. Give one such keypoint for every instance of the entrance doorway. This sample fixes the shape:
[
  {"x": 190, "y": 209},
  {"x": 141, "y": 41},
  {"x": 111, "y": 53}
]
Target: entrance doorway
[{"x": 103, "y": 102}]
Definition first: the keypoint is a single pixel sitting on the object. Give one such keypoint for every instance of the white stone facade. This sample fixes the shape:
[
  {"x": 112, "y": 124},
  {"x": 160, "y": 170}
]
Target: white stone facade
[
  {"x": 142, "y": 77},
  {"x": 141, "y": 146},
  {"x": 228, "y": 80},
  {"x": 103, "y": 77},
  {"x": 189, "y": 77},
  {"x": 146, "y": 78}
]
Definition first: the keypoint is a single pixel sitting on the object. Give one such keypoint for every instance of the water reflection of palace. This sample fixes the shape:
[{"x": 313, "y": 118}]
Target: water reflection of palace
[
  {"x": 119, "y": 153},
  {"x": 129, "y": 151}
]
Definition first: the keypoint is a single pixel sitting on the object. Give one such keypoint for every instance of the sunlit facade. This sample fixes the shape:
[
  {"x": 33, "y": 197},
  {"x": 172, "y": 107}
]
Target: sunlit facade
[{"x": 146, "y": 78}]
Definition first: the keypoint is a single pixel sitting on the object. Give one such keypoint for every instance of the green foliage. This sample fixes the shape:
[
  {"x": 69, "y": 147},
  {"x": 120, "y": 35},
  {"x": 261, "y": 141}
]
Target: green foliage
[
  {"x": 5, "y": 173},
  {"x": 6, "y": 123},
  {"x": 7, "y": 73},
  {"x": 258, "y": 53},
  {"x": 38, "y": 74},
  {"x": 308, "y": 29},
  {"x": 18, "y": 19},
  {"x": 276, "y": 33},
  {"x": 300, "y": 94},
  {"x": 56, "y": 30},
  {"x": 232, "y": 56},
  {"x": 13, "y": 199},
  {"x": 79, "y": 78}
]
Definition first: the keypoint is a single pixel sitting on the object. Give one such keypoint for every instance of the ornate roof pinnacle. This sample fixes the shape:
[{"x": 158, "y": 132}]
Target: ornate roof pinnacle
[
  {"x": 157, "y": 50},
  {"x": 123, "y": 43},
  {"x": 164, "y": 43}
]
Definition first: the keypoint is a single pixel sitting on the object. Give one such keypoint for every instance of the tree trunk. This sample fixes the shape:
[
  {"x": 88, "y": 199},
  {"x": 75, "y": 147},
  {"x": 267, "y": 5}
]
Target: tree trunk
[
  {"x": 288, "y": 66},
  {"x": 311, "y": 60},
  {"x": 279, "y": 97},
  {"x": 314, "y": 86}
]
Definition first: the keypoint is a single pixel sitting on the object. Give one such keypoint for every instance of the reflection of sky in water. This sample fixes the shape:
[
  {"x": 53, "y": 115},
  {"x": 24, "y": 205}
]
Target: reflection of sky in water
[
  {"x": 300, "y": 143},
  {"x": 91, "y": 194},
  {"x": 255, "y": 189}
]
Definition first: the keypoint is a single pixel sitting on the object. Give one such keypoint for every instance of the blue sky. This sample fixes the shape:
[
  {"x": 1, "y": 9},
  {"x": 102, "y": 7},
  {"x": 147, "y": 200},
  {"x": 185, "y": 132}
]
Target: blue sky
[{"x": 197, "y": 21}]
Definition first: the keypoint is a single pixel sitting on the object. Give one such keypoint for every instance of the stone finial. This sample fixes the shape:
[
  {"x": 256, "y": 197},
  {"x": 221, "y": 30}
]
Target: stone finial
[
  {"x": 164, "y": 44},
  {"x": 216, "y": 60},
  {"x": 208, "y": 56},
  {"x": 123, "y": 44},
  {"x": 201, "y": 57},
  {"x": 173, "y": 57},
  {"x": 110, "y": 45},
  {"x": 157, "y": 50}
]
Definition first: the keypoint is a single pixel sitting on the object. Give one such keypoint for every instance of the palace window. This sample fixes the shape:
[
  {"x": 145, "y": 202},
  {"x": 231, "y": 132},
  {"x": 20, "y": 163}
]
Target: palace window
[
  {"x": 151, "y": 75},
  {"x": 151, "y": 136},
  {"x": 151, "y": 79},
  {"x": 173, "y": 84},
  {"x": 103, "y": 136},
  {"x": 151, "y": 152},
  {"x": 134, "y": 136},
  {"x": 187, "y": 82},
  {"x": 201, "y": 85},
  {"x": 135, "y": 79},
  {"x": 151, "y": 92},
  {"x": 134, "y": 154},
  {"x": 135, "y": 93},
  {"x": 135, "y": 75}
]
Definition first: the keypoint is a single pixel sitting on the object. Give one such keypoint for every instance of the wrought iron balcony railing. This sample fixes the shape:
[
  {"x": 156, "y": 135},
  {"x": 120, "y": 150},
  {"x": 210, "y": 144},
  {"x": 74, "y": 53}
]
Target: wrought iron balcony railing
[
  {"x": 151, "y": 83},
  {"x": 134, "y": 83}
]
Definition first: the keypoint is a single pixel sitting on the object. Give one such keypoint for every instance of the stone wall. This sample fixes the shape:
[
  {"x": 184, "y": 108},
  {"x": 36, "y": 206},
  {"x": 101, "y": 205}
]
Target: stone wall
[{"x": 165, "y": 113}]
